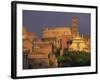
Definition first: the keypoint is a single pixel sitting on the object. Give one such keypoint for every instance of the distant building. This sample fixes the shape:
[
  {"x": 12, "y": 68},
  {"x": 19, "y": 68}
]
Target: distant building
[
  {"x": 62, "y": 36},
  {"x": 78, "y": 44},
  {"x": 87, "y": 40},
  {"x": 42, "y": 50},
  {"x": 28, "y": 38},
  {"x": 42, "y": 47},
  {"x": 37, "y": 54},
  {"x": 56, "y": 35},
  {"x": 74, "y": 28},
  {"x": 56, "y": 32}
]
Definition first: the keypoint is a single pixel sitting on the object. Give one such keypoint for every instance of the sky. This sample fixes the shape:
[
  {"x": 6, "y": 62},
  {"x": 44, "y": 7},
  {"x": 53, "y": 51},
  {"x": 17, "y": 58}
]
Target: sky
[{"x": 35, "y": 21}]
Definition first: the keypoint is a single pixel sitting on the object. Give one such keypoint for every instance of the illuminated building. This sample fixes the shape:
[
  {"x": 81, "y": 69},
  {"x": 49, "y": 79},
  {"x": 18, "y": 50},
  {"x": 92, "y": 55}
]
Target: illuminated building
[
  {"x": 62, "y": 37},
  {"x": 28, "y": 38},
  {"x": 78, "y": 44},
  {"x": 74, "y": 28},
  {"x": 37, "y": 54},
  {"x": 56, "y": 35}
]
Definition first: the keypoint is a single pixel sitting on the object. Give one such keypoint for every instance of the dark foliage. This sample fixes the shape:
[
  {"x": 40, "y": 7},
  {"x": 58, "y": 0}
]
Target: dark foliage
[{"x": 73, "y": 58}]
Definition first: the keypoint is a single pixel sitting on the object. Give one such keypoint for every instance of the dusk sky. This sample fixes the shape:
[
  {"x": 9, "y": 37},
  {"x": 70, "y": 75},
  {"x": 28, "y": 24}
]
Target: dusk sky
[{"x": 34, "y": 21}]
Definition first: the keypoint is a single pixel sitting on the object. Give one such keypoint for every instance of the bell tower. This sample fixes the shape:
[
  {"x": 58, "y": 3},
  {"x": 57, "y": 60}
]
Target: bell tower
[{"x": 74, "y": 27}]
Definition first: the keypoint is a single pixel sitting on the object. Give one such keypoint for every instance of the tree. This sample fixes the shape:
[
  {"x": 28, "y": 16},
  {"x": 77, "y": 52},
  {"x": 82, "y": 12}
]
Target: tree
[{"x": 74, "y": 58}]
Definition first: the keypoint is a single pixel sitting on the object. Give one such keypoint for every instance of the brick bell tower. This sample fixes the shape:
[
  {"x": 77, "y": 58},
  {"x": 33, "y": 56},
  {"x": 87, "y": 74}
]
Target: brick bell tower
[{"x": 74, "y": 27}]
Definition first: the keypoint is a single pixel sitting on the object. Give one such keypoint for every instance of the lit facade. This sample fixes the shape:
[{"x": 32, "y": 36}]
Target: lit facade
[
  {"x": 56, "y": 35},
  {"x": 42, "y": 47},
  {"x": 61, "y": 36},
  {"x": 74, "y": 28},
  {"x": 28, "y": 40},
  {"x": 42, "y": 50},
  {"x": 78, "y": 44},
  {"x": 56, "y": 32}
]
